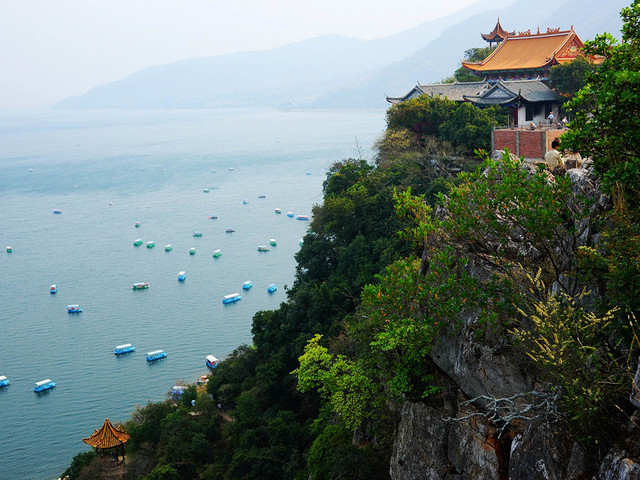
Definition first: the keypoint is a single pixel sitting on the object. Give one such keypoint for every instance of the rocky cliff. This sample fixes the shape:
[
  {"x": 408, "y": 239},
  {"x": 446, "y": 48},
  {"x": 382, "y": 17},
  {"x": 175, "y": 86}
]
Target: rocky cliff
[{"x": 495, "y": 419}]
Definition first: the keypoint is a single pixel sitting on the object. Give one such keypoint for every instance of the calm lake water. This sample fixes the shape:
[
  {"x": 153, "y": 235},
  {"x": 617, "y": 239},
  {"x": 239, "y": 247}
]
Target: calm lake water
[{"x": 107, "y": 170}]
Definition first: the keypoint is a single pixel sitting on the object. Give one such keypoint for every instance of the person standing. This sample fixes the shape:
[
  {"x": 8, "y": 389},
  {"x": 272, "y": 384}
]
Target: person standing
[
  {"x": 553, "y": 159},
  {"x": 550, "y": 117}
]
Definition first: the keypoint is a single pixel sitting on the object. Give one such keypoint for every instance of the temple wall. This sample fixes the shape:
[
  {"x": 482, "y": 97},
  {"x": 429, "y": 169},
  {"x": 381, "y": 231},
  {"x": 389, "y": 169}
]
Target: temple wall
[{"x": 524, "y": 142}]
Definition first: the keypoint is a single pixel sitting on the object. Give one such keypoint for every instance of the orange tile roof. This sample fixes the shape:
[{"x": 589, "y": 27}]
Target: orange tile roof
[
  {"x": 107, "y": 437},
  {"x": 530, "y": 51}
]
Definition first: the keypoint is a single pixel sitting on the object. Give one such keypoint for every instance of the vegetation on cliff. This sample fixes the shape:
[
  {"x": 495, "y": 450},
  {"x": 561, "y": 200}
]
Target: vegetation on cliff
[{"x": 400, "y": 254}]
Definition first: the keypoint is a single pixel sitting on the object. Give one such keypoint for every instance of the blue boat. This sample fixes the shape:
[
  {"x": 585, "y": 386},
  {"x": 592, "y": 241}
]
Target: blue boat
[
  {"x": 53, "y": 288},
  {"x": 231, "y": 298},
  {"x": 125, "y": 348},
  {"x": 57, "y": 212},
  {"x": 213, "y": 217},
  {"x": 302, "y": 217},
  {"x": 247, "y": 285},
  {"x": 290, "y": 214},
  {"x": 4, "y": 381},
  {"x": 155, "y": 355},
  {"x": 272, "y": 288},
  {"x": 74, "y": 308},
  {"x": 178, "y": 390},
  {"x": 43, "y": 385},
  {"x": 212, "y": 362},
  {"x": 182, "y": 276}
]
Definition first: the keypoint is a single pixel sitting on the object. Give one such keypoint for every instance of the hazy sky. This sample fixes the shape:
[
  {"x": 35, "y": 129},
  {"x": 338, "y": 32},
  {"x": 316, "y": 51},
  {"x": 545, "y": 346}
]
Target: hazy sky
[{"x": 50, "y": 49}]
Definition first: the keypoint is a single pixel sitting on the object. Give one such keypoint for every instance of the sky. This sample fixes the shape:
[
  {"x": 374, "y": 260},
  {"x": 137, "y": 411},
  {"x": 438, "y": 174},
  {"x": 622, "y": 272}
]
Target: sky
[{"x": 51, "y": 49}]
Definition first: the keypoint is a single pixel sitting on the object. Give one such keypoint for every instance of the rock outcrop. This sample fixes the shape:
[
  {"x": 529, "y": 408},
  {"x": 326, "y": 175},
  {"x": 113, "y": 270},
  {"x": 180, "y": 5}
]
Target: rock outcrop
[{"x": 459, "y": 439}]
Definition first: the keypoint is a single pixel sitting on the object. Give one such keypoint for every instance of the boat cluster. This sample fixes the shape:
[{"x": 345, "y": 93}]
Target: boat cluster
[{"x": 47, "y": 384}]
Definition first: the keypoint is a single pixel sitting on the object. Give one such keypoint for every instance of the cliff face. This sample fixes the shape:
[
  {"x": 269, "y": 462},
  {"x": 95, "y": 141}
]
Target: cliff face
[{"x": 493, "y": 422}]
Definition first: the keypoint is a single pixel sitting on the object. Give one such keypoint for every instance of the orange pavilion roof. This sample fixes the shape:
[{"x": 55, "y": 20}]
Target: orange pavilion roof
[
  {"x": 107, "y": 437},
  {"x": 497, "y": 34},
  {"x": 531, "y": 51}
]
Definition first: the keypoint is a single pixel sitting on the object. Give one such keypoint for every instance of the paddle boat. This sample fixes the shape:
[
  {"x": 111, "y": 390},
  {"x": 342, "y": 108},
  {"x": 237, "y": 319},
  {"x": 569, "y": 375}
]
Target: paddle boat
[
  {"x": 206, "y": 190},
  {"x": 53, "y": 288},
  {"x": 197, "y": 234},
  {"x": 302, "y": 217},
  {"x": 4, "y": 381},
  {"x": 57, "y": 212},
  {"x": 192, "y": 251},
  {"x": 213, "y": 170},
  {"x": 9, "y": 249},
  {"x": 151, "y": 244},
  {"x": 273, "y": 242},
  {"x": 230, "y": 230},
  {"x": 137, "y": 224},
  {"x": 262, "y": 195},
  {"x": 155, "y": 355},
  {"x": 212, "y": 362},
  {"x": 124, "y": 348},
  {"x": 140, "y": 286},
  {"x": 263, "y": 248},
  {"x": 74, "y": 309},
  {"x": 309, "y": 173},
  {"x": 217, "y": 253},
  {"x": 245, "y": 202},
  {"x": 290, "y": 214},
  {"x": 203, "y": 379},
  {"x": 137, "y": 243},
  {"x": 278, "y": 211},
  {"x": 247, "y": 285},
  {"x": 272, "y": 288},
  {"x": 231, "y": 298},
  {"x": 43, "y": 385},
  {"x": 178, "y": 390},
  {"x": 168, "y": 248},
  {"x": 301, "y": 242},
  {"x": 230, "y": 169},
  {"x": 182, "y": 276},
  {"x": 213, "y": 217}
]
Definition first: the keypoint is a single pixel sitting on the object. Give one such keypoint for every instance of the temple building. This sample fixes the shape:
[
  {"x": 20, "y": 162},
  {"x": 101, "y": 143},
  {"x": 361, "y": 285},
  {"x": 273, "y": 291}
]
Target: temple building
[
  {"x": 528, "y": 56},
  {"x": 528, "y": 101},
  {"x": 497, "y": 35},
  {"x": 108, "y": 439}
]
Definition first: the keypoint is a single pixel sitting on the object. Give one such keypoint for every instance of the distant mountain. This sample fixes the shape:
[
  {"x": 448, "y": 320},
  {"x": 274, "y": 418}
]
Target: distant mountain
[
  {"x": 336, "y": 71},
  {"x": 441, "y": 57}
]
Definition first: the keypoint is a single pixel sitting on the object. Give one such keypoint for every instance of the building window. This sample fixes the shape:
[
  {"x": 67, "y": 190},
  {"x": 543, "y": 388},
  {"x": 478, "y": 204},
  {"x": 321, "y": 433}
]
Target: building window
[{"x": 529, "y": 113}]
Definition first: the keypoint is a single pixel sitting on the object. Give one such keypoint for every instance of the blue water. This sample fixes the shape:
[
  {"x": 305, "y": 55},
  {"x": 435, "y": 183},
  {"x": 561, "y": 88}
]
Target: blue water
[{"x": 107, "y": 170}]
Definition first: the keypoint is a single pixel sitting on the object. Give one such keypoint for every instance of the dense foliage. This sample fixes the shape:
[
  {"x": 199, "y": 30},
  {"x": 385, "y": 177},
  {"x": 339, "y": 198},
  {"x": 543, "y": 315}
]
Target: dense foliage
[
  {"x": 462, "y": 125},
  {"x": 568, "y": 78}
]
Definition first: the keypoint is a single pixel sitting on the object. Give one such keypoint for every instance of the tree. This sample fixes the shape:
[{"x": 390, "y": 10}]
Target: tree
[
  {"x": 568, "y": 78},
  {"x": 607, "y": 112}
]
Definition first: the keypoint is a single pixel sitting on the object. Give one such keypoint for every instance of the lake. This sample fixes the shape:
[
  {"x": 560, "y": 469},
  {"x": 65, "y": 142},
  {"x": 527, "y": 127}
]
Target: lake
[{"x": 105, "y": 171}]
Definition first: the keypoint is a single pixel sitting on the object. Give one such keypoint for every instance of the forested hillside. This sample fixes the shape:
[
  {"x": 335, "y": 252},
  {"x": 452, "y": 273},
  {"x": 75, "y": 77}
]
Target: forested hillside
[{"x": 451, "y": 317}]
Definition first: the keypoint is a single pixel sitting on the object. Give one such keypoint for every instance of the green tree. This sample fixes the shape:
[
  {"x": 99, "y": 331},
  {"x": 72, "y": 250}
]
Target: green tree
[
  {"x": 80, "y": 461},
  {"x": 607, "y": 112},
  {"x": 568, "y": 78},
  {"x": 471, "y": 55}
]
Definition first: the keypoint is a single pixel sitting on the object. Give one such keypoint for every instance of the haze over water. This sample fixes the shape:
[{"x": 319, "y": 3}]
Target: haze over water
[{"x": 153, "y": 166}]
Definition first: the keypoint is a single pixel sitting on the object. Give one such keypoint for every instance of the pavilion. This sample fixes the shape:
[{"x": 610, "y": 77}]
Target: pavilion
[
  {"x": 497, "y": 35},
  {"x": 108, "y": 439}
]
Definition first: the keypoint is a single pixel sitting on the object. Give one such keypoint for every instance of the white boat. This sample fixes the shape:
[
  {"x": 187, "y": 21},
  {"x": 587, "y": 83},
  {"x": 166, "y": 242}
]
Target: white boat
[
  {"x": 231, "y": 298},
  {"x": 43, "y": 385},
  {"x": 124, "y": 348},
  {"x": 212, "y": 362},
  {"x": 155, "y": 355}
]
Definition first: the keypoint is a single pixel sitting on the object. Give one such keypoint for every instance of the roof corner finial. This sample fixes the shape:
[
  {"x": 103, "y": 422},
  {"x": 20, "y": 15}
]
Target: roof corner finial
[{"x": 538, "y": 29}]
